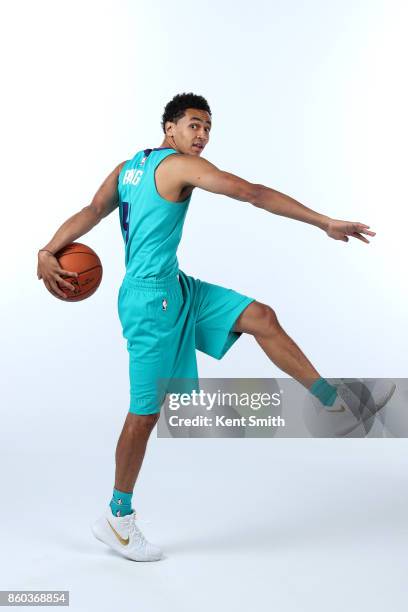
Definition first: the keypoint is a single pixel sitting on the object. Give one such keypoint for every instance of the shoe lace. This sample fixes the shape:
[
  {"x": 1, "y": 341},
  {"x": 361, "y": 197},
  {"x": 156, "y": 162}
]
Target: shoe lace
[{"x": 135, "y": 532}]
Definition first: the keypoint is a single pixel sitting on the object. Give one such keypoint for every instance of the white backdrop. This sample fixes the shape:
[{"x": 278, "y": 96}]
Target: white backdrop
[{"x": 308, "y": 98}]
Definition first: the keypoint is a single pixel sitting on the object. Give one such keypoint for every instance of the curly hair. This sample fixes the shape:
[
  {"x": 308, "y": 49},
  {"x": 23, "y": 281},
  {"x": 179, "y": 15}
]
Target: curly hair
[{"x": 175, "y": 109}]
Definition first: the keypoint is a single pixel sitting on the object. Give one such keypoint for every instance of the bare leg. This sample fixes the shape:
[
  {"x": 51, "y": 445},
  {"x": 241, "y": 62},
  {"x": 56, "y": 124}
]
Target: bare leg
[
  {"x": 131, "y": 449},
  {"x": 260, "y": 320}
]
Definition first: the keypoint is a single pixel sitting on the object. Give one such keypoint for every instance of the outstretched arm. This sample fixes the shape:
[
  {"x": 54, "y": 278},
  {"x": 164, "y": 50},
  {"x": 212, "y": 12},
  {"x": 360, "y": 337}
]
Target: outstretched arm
[
  {"x": 281, "y": 204},
  {"x": 199, "y": 172}
]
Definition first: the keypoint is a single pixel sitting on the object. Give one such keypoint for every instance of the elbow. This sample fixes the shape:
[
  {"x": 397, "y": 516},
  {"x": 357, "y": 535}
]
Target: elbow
[
  {"x": 248, "y": 192},
  {"x": 94, "y": 211},
  {"x": 256, "y": 195}
]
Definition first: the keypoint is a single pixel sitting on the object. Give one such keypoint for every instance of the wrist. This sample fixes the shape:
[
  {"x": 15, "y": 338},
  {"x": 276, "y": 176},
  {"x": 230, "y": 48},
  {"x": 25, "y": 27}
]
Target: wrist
[
  {"x": 45, "y": 251},
  {"x": 324, "y": 223}
]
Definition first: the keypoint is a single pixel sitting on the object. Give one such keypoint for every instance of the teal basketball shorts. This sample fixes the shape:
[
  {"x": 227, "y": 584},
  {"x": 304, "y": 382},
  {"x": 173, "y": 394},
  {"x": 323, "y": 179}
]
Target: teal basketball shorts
[{"x": 164, "y": 321}]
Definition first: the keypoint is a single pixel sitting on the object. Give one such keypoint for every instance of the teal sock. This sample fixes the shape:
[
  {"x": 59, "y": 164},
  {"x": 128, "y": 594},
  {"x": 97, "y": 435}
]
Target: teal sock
[
  {"x": 325, "y": 392},
  {"x": 121, "y": 503}
]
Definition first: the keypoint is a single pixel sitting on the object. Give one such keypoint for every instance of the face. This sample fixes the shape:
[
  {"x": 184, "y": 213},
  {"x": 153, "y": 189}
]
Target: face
[{"x": 191, "y": 133}]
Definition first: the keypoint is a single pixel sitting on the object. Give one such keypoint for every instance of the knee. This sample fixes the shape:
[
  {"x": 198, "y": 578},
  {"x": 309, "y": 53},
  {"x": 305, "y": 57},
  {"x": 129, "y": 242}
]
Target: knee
[
  {"x": 141, "y": 424},
  {"x": 268, "y": 320}
]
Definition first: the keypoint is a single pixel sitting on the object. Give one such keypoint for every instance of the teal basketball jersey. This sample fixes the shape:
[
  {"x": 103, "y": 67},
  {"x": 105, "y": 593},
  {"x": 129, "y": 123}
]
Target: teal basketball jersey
[{"x": 151, "y": 226}]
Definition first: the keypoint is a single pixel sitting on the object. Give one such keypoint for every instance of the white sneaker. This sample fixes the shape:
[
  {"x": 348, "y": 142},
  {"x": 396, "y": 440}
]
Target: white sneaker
[
  {"x": 364, "y": 392},
  {"x": 357, "y": 403},
  {"x": 123, "y": 535},
  {"x": 381, "y": 389}
]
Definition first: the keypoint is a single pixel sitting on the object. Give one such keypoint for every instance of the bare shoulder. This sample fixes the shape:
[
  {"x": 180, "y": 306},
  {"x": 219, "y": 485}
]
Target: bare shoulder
[
  {"x": 185, "y": 160},
  {"x": 183, "y": 168},
  {"x": 106, "y": 198},
  {"x": 169, "y": 178},
  {"x": 119, "y": 167},
  {"x": 188, "y": 171}
]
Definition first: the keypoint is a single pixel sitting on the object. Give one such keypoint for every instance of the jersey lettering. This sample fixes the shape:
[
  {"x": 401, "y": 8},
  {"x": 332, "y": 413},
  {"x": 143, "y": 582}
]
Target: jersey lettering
[{"x": 132, "y": 177}]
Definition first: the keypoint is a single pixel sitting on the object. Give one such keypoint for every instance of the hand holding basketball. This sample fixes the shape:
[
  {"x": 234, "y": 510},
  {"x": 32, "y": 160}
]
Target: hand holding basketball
[
  {"x": 84, "y": 266},
  {"x": 50, "y": 271}
]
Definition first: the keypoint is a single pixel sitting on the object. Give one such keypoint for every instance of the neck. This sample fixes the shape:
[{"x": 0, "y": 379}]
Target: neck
[{"x": 168, "y": 143}]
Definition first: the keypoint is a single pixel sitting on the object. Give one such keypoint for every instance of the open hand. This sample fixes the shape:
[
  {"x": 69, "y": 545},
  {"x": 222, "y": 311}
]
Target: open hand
[{"x": 340, "y": 230}]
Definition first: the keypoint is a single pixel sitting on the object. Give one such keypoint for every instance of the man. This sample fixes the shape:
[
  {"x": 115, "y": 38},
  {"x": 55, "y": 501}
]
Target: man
[{"x": 165, "y": 314}]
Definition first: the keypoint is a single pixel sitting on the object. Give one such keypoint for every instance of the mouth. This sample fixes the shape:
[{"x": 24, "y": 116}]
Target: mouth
[{"x": 198, "y": 147}]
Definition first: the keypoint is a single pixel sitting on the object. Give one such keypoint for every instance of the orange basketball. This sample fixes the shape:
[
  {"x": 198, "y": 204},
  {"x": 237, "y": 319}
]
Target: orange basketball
[{"x": 77, "y": 257}]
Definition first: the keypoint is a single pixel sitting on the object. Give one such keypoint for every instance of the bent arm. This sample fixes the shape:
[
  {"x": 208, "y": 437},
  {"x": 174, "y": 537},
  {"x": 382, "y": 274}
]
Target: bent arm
[
  {"x": 201, "y": 173},
  {"x": 104, "y": 202}
]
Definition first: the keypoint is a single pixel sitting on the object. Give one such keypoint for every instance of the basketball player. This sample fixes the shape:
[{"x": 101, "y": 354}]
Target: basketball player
[{"x": 166, "y": 314}]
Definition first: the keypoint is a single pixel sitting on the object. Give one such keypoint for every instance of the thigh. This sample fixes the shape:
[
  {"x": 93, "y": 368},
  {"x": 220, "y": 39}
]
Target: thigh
[
  {"x": 159, "y": 326},
  {"x": 217, "y": 310},
  {"x": 148, "y": 318}
]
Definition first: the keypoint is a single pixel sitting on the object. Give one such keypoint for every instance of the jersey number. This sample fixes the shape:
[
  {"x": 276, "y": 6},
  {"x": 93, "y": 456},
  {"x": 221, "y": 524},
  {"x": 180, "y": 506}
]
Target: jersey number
[{"x": 125, "y": 219}]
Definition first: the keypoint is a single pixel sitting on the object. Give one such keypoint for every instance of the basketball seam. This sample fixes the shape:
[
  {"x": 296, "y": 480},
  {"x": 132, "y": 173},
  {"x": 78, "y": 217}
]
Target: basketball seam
[
  {"x": 77, "y": 253},
  {"x": 89, "y": 269},
  {"x": 84, "y": 293},
  {"x": 81, "y": 295}
]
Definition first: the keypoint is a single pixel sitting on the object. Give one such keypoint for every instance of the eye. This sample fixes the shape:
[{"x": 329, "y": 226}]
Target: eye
[{"x": 195, "y": 125}]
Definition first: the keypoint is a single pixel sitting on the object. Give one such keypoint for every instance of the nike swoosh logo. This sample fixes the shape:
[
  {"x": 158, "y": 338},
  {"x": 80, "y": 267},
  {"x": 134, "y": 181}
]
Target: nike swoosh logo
[
  {"x": 342, "y": 409},
  {"x": 123, "y": 541}
]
